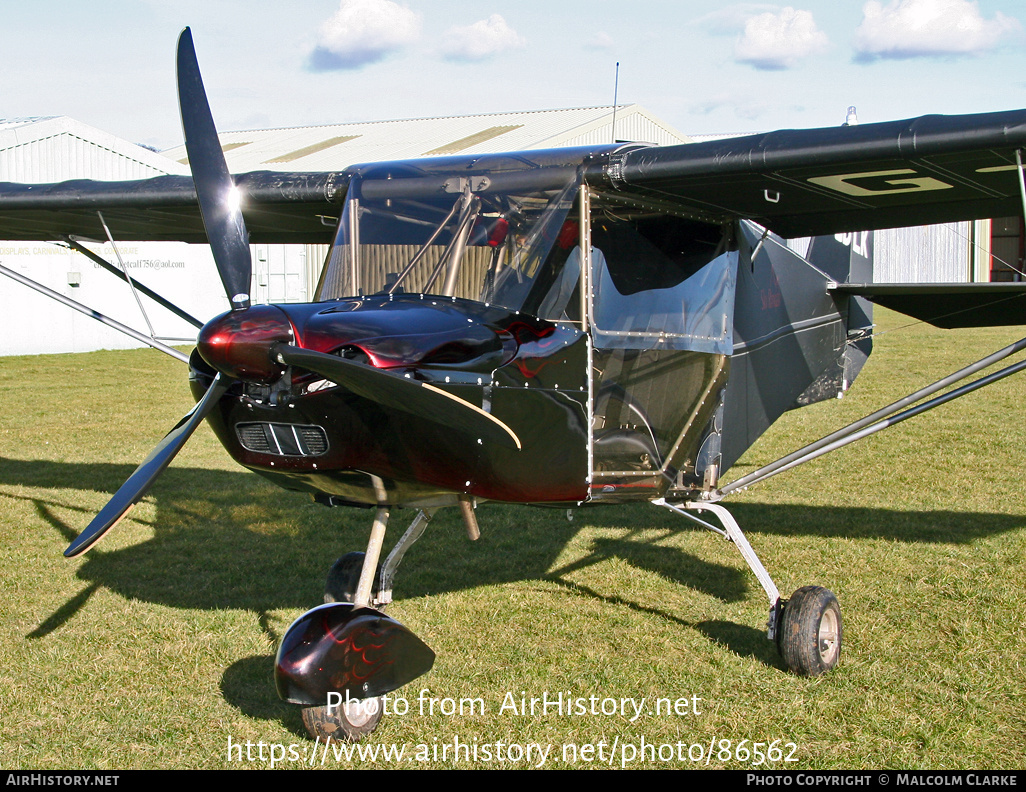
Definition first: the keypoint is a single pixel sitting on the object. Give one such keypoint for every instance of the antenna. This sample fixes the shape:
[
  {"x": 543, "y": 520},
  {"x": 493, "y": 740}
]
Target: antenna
[{"x": 616, "y": 87}]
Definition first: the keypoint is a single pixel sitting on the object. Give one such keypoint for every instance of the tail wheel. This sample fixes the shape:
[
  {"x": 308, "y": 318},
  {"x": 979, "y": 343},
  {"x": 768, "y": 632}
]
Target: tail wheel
[
  {"x": 347, "y": 723},
  {"x": 810, "y": 636}
]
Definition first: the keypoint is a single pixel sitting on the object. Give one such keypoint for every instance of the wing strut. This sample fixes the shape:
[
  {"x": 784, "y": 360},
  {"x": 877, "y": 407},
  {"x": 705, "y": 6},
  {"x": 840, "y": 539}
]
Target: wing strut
[
  {"x": 77, "y": 246},
  {"x": 1022, "y": 180},
  {"x": 882, "y": 419},
  {"x": 128, "y": 278},
  {"x": 99, "y": 317}
]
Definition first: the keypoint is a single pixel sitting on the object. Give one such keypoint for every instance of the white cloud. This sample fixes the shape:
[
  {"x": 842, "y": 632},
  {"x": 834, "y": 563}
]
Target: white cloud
[
  {"x": 600, "y": 41},
  {"x": 731, "y": 19},
  {"x": 927, "y": 28},
  {"x": 779, "y": 40},
  {"x": 362, "y": 32},
  {"x": 481, "y": 40},
  {"x": 743, "y": 106}
]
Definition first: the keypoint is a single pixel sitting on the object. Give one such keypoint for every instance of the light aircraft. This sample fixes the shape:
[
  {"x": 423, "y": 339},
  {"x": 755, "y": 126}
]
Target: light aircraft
[{"x": 564, "y": 328}]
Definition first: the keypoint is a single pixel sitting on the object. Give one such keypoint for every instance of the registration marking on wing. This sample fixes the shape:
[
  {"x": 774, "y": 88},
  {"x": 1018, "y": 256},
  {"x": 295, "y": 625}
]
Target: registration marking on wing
[{"x": 842, "y": 183}]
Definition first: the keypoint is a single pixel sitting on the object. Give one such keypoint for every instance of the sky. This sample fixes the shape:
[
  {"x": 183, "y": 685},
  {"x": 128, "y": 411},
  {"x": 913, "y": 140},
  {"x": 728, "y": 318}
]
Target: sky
[{"x": 737, "y": 68}]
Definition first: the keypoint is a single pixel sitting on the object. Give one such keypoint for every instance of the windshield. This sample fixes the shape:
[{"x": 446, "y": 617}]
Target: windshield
[{"x": 499, "y": 238}]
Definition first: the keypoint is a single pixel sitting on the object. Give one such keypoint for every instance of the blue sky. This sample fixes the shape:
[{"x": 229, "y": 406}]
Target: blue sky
[{"x": 736, "y": 68}]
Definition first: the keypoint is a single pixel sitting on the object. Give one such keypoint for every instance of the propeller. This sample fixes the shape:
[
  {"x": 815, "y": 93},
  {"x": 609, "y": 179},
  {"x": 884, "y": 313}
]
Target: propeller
[
  {"x": 229, "y": 243},
  {"x": 219, "y": 198},
  {"x": 409, "y": 395},
  {"x": 246, "y": 343},
  {"x": 139, "y": 483}
]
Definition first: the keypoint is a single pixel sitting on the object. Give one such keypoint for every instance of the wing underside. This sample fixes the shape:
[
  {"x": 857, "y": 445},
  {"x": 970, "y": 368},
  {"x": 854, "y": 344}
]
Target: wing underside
[
  {"x": 932, "y": 169},
  {"x": 278, "y": 207}
]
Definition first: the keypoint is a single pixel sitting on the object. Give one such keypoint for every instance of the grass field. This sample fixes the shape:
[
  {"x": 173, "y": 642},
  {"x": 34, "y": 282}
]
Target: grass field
[{"x": 156, "y": 648}]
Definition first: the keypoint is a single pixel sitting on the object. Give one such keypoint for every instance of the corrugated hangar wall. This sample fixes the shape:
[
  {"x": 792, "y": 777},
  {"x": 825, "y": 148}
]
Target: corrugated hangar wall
[
  {"x": 937, "y": 253},
  {"x": 56, "y": 149},
  {"x": 56, "y": 156},
  {"x": 946, "y": 253}
]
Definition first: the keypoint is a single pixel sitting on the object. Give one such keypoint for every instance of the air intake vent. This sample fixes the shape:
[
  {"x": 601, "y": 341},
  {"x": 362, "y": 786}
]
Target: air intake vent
[
  {"x": 253, "y": 438},
  {"x": 313, "y": 439},
  {"x": 283, "y": 439}
]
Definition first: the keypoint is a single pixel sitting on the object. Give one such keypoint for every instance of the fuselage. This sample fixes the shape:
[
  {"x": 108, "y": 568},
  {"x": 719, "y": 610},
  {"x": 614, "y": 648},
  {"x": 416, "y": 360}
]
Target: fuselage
[
  {"x": 307, "y": 433},
  {"x": 598, "y": 337}
]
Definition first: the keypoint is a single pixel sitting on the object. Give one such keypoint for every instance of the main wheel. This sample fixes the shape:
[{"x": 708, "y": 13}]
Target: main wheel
[
  {"x": 344, "y": 577},
  {"x": 357, "y": 719},
  {"x": 348, "y": 723},
  {"x": 810, "y": 636}
]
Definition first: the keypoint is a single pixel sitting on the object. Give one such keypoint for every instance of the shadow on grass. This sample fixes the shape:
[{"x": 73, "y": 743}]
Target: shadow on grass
[
  {"x": 741, "y": 640},
  {"x": 231, "y": 540},
  {"x": 244, "y": 686},
  {"x": 728, "y": 584}
]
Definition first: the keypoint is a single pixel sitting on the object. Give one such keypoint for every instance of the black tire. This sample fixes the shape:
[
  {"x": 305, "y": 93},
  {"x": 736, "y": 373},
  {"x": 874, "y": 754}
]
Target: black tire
[
  {"x": 344, "y": 577},
  {"x": 344, "y": 724},
  {"x": 810, "y": 635}
]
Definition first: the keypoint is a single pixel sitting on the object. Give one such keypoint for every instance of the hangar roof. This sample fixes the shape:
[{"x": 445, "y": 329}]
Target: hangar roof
[
  {"x": 336, "y": 146},
  {"x": 47, "y": 149}
]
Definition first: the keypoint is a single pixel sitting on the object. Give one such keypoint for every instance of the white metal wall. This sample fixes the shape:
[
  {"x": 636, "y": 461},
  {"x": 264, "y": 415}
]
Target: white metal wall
[
  {"x": 56, "y": 149},
  {"x": 924, "y": 254},
  {"x": 35, "y": 324},
  {"x": 67, "y": 156}
]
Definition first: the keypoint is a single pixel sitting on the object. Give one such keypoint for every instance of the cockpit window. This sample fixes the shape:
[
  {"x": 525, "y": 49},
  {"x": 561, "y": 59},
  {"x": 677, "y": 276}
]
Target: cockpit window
[{"x": 495, "y": 237}]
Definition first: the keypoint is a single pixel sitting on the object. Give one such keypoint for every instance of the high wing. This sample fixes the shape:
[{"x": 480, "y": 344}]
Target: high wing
[
  {"x": 932, "y": 169},
  {"x": 278, "y": 207},
  {"x": 810, "y": 182}
]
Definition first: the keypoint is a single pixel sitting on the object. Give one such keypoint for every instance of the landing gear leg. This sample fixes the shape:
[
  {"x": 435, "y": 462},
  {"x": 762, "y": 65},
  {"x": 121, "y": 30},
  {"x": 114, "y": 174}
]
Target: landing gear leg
[
  {"x": 806, "y": 628},
  {"x": 344, "y": 575},
  {"x": 360, "y": 579}
]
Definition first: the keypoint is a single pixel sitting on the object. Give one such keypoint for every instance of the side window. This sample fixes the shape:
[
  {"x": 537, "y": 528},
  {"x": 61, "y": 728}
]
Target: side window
[{"x": 662, "y": 284}]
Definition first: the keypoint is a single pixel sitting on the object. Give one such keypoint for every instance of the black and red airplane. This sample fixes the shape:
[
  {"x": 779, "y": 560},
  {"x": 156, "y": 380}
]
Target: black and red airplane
[{"x": 564, "y": 328}]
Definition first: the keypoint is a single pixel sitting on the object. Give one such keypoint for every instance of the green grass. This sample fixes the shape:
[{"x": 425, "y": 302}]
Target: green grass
[{"x": 157, "y": 647}]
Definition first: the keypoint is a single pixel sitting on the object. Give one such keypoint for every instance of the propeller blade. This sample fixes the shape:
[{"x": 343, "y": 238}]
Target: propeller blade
[
  {"x": 409, "y": 395},
  {"x": 219, "y": 199},
  {"x": 139, "y": 483}
]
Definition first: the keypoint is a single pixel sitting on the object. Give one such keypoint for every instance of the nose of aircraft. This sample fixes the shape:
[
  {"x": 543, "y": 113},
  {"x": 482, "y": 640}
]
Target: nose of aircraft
[{"x": 239, "y": 343}]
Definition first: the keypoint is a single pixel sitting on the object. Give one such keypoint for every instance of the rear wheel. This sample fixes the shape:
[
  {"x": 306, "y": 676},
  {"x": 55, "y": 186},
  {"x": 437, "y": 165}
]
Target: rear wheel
[{"x": 810, "y": 636}]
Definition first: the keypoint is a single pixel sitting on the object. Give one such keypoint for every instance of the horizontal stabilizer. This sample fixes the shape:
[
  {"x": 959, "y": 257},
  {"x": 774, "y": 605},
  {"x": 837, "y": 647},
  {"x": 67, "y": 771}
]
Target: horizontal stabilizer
[{"x": 948, "y": 305}]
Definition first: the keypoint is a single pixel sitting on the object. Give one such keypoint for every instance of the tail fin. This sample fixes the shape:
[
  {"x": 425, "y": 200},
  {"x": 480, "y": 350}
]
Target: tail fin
[{"x": 795, "y": 341}]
